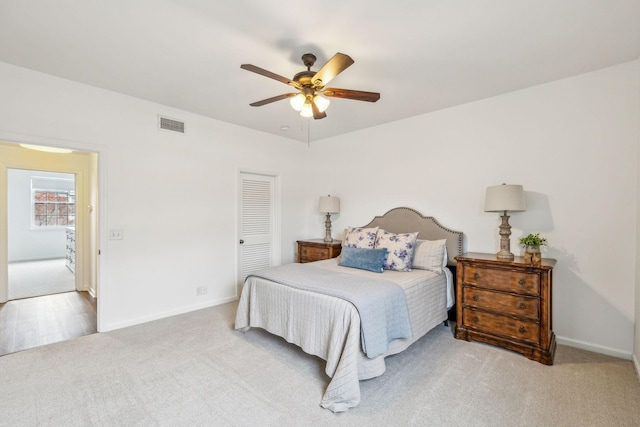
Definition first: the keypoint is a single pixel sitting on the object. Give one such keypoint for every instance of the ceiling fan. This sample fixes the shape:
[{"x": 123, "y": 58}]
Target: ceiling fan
[{"x": 310, "y": 99}]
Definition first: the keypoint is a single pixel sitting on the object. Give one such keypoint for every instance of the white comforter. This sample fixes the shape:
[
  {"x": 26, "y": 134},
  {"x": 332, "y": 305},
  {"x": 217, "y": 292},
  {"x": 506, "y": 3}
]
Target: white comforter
[{"x": 329, "y": 327}]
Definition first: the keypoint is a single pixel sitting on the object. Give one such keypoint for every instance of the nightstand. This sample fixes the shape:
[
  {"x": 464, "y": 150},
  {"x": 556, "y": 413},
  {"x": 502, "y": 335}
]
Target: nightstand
[
  {"x": 317, "y": 249},
  {"x": 506, "y": 303}
]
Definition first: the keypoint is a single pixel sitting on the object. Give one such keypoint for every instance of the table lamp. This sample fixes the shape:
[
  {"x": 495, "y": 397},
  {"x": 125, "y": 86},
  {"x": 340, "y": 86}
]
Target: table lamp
[
  {"x": 504, "y": 198},
  {"x": 328, "y": 205}
]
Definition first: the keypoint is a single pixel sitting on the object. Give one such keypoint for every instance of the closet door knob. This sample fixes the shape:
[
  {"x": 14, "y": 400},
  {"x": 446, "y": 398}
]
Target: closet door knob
[{"x": 241, "y": 241}]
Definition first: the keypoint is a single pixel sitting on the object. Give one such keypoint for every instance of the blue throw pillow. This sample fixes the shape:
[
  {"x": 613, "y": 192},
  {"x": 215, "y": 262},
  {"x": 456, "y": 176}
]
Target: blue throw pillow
[{"x": 364, "y": 259}]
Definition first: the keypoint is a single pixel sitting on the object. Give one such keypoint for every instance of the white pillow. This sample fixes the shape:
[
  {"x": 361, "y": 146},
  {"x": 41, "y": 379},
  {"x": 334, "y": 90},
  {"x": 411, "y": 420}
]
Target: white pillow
[
  {"x": 357, "y": 237},
  {"x": 430, "y": 255},
  {"x": 399, "y": 247}
]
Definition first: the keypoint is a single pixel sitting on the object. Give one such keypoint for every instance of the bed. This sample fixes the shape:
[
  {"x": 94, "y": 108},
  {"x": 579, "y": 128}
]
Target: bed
[{"x": 329, "y": 326}]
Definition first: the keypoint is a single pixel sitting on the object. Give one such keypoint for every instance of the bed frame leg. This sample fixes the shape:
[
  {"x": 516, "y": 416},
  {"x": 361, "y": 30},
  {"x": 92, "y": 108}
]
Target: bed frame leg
[{"x": 446, "y": 323}]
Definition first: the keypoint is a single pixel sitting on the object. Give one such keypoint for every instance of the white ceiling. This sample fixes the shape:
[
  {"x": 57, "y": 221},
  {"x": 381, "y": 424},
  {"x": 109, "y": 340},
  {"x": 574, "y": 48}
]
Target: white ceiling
[{"x": 421, "y": 55}]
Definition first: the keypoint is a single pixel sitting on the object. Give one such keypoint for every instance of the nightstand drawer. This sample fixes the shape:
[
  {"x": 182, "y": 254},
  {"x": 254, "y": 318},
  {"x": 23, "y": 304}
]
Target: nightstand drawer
[
  {"x": 502, "y": 325},
  {"x": 314, "y": 253},
  {"x": 316, "y": 250},
  {"x": 528, "y": 307},
  {"x": 511, "y": 281}
]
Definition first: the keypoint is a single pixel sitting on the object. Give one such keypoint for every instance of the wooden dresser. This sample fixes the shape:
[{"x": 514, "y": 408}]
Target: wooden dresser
[
  {"x": 506, "y": 303},
  {"x": 317, "y": 249}
]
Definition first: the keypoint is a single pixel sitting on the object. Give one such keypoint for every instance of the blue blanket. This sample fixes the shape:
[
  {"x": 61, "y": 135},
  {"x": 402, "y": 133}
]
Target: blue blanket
[{"x": 381, "y": 304}]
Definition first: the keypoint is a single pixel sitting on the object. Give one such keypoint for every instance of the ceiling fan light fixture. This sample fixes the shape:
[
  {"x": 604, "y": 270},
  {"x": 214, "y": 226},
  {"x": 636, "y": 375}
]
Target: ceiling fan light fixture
[
  {"x": 321, "y": 102},
  {"x": 297, "y": 102},
  {"x": 306, "y": 110},
  {"x": 312, "y": 84}
]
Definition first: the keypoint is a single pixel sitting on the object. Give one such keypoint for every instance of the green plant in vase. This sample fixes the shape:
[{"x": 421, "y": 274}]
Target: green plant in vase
[{"x": 532, "y": 243}]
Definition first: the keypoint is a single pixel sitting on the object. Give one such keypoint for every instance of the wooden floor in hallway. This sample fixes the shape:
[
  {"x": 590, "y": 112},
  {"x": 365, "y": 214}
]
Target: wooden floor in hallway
[{"x": 32, "y": 322}]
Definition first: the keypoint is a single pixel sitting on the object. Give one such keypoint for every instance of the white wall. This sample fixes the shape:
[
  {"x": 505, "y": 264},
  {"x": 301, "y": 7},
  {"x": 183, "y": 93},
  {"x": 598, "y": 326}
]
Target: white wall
[
  {"x": 26, "y": 243},
  {"x": 572, "y": 144},
  {"x": 174, "y": 196}
]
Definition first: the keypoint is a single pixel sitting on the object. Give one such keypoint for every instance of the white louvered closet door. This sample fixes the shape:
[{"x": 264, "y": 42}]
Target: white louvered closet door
[{"x": 257, "y": 224}]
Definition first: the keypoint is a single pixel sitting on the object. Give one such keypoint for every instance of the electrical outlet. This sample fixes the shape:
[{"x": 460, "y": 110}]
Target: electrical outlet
[
  {"x": 201, "y": 290},
  {"x": 116, "y": 234}
]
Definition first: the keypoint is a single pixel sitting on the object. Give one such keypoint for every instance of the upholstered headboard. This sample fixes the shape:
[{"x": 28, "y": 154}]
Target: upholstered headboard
[{"x": 407, "y": 220}]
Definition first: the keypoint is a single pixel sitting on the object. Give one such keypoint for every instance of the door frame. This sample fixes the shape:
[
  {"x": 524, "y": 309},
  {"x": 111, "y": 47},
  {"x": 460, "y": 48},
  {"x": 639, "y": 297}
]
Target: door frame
[{"x": 97, "y": 181}]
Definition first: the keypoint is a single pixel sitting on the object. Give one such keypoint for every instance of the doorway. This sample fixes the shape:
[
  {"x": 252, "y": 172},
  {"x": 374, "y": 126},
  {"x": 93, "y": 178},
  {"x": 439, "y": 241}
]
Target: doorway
[{"x": 82, "y": 167}]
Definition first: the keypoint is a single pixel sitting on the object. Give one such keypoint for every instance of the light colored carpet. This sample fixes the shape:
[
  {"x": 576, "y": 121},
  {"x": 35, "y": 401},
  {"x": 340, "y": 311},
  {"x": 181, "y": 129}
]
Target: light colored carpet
[
  {"x": 195, "y": 370},
  {"x": 35, "y": 278}
]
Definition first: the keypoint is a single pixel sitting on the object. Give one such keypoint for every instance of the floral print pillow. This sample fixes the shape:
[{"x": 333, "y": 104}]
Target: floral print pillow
[
  {"x": 399, "y": 249},
  {"x": 357, "y": 237}
]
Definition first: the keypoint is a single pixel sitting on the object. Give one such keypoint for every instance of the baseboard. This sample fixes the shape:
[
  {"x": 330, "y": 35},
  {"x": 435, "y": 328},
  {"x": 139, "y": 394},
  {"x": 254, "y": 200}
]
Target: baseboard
[
  {"x": 594, "y": 348},
  {"x": 636, "y": 365},
  {"x": 158, "y": 316}
]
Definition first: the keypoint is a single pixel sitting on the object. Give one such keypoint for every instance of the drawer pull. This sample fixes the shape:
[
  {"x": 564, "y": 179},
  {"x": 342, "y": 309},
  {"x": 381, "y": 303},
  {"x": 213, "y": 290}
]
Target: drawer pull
[
  {"x": 522, "y": 330},
  {"x": 522, "y": 306},
  {"x": 521, "y": 282},
  {"x": 476, "y": 276},
  {"x": 475, "y": 297},
  {"x": 475, "y": 319}
]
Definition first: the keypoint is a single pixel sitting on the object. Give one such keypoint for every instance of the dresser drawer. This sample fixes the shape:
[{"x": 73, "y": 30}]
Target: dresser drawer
[
  {"x": 523, "y": 306},
  {"x": 502, "y": 325},
  {"x": 506, "y": 280}
]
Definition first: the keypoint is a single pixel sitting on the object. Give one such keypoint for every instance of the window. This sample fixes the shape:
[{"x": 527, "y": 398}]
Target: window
[{"x": 53, "y": 207}]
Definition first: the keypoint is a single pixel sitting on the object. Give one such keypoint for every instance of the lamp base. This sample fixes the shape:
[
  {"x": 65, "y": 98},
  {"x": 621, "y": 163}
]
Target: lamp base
[
  {"x": 505, "y": 244},
  {"x": 327, "y": 227},
  {"x": 505, "y": 256}
]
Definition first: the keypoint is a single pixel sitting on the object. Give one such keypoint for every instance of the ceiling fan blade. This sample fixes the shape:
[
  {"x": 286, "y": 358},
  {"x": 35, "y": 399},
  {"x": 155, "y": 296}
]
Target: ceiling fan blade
[
  {"x": 317, "y": 114},
  {"x": 273, "y": 99},
  {"x": 358, "y": 95},
  {"x": 269, "y": 74},
  {"x": 337, "y": 64}
]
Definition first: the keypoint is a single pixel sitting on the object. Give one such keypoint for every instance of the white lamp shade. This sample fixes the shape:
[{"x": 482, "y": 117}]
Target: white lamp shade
[
  {"x": 306, "y": 110},
  {"x": 297, "y": 102},
  {"x": 321, "y": 102},
  {"x": 329, "y": 205},
  {"x": 504, "y": 197}
]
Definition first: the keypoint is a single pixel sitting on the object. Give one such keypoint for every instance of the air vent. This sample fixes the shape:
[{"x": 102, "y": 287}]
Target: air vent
[{"x": 166, "y": 123}]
